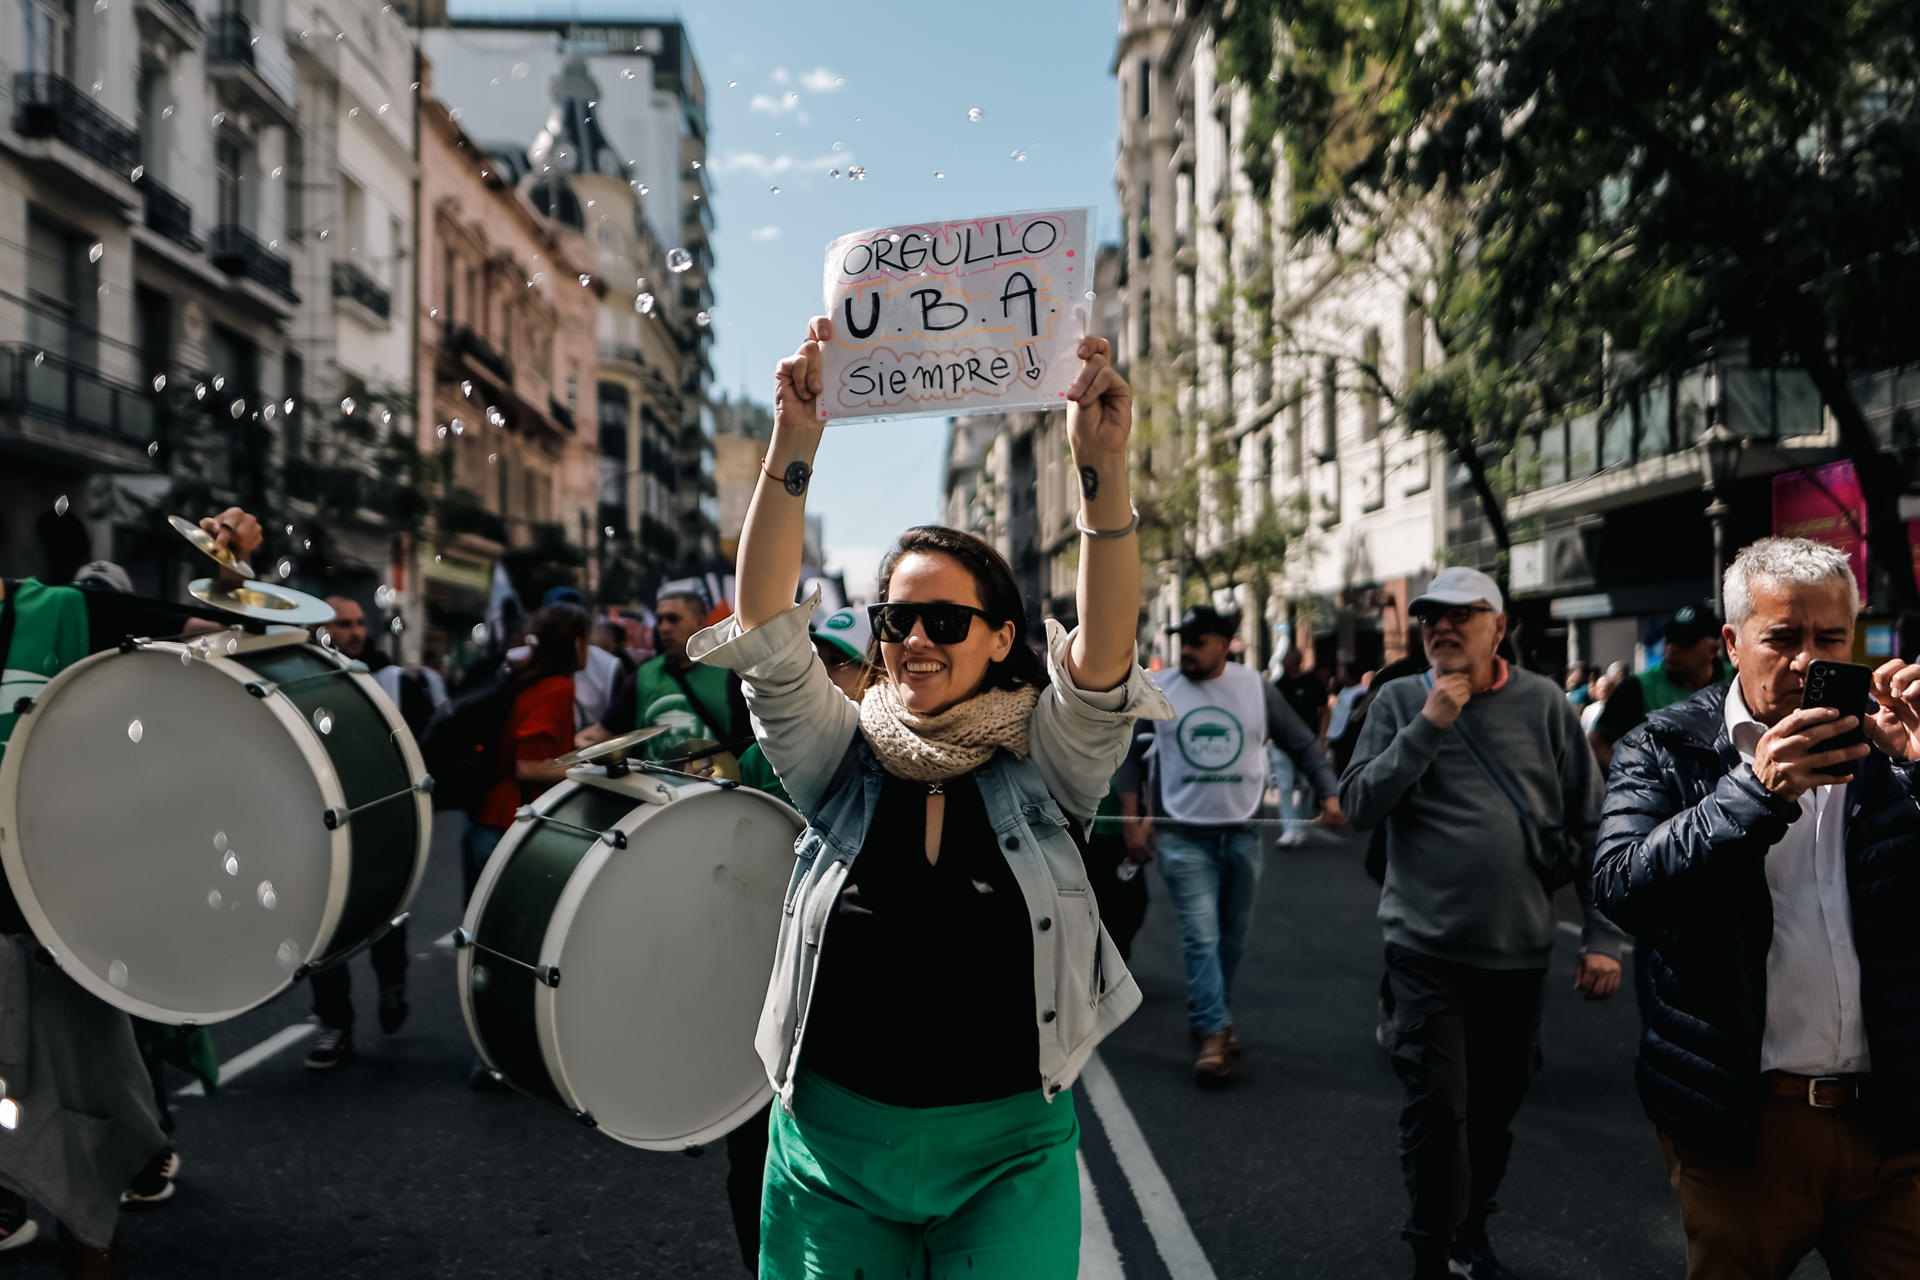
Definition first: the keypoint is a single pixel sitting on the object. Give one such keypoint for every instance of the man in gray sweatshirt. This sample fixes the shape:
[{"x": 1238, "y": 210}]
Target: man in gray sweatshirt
[{"x": 1468, "y": 920}]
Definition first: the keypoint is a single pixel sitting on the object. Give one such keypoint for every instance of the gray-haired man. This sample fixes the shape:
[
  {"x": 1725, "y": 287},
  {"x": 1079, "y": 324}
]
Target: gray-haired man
[{"x": 1774, "y": 905}]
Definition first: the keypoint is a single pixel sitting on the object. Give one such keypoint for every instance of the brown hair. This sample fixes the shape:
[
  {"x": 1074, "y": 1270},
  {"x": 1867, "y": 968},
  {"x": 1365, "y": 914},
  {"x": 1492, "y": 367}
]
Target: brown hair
[{"x": 554, "y": 633}]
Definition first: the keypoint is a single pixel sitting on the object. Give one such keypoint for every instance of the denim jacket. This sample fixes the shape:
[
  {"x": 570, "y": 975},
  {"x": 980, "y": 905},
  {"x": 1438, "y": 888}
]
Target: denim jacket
[{"x": 809, "y": 731}]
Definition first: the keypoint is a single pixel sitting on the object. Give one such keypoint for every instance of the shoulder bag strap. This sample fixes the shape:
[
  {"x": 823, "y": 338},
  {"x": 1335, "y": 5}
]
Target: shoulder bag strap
[
  {"x": 1488, "y": 767},
  {"x": 722, "y": 733}
]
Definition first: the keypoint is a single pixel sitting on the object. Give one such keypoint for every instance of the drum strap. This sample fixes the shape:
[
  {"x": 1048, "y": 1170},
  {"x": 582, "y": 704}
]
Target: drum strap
[{"x": 722, "y": 729}]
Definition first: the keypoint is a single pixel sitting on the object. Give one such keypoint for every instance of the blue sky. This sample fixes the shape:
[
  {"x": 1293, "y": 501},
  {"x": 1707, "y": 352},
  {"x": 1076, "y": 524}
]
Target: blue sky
[{"x": 891, "y": 86}]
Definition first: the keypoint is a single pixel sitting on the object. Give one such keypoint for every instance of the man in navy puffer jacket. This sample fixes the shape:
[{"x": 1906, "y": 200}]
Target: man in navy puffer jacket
[{"x": 1776, "y": 908}]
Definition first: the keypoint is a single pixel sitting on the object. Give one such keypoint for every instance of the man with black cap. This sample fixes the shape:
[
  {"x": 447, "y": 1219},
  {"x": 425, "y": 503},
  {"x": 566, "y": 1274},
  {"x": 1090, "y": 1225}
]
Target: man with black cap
[
  {"x": 1211, "y": 766},
  {"x": 1690, "y": 663}
]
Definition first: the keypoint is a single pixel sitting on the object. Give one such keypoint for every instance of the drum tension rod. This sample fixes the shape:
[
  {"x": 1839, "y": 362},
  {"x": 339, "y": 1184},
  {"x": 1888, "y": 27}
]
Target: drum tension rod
[
  {"x": 548, "y": 974},
  {"x": 337, "y": 818},
  {"x": 265, "y": 688},
  {"x": 725, "y": 784},
  {"x": 612, "y": 835}
]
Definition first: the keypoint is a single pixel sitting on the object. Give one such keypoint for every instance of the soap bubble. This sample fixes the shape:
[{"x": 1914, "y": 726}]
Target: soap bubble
[
  {"x": 96, "y": 251},
  {"x": 288, "y": 956},
  {"x": 323, "y": 720},
  {"x": 520, "y": 70},
  {"x": 60, "y": 505},
  {"x": 679, "y": 260},
  {"x": 1019, "y": 156},
  {"x": 702, "y": 318},
  {"x": 214, "y": 899},
  {"x": 974, "y": 114},
  {"x": 135, "y": 731},
  {"x": 644, "y": 304},
  {"x": 159, "y": 382},
  {"x": 347, "y": 406},
  {"x": 117, "y": 974},
  {"x": 858, "y": 173},
  {"x": 268, "y": 898}
]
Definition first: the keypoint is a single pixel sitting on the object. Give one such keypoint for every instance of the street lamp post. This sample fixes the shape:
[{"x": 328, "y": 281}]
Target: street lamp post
[{"x": 1720, "y": 459}]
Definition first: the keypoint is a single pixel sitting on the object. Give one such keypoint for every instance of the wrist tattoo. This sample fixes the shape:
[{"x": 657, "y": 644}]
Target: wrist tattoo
[
  {"x": 1089, "y": 483},
  {"x": 797, "y": 475}
]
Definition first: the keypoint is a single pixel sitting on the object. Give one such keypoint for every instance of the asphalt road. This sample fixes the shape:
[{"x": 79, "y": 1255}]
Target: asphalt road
[{"x": 393, "y": 1167}]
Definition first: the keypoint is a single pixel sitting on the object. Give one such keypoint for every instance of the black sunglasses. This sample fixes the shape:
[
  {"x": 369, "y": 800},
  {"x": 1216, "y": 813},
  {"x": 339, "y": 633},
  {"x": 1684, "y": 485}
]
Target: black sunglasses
[
  {"x": 946, "y": 623},
  {"x": 1459, "y": 615}
]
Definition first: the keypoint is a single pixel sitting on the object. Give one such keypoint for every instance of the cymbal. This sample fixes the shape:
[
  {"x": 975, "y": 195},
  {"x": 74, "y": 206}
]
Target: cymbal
[
  {"x": 263, "y": 601},
  {"x": 612, "y": 749},
  {"x": 218, "y": 554}
]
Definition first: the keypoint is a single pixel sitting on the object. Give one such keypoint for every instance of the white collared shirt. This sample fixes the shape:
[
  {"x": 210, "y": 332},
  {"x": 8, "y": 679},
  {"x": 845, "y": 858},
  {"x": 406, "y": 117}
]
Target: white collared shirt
[{"x": 1814, "y": 1027}]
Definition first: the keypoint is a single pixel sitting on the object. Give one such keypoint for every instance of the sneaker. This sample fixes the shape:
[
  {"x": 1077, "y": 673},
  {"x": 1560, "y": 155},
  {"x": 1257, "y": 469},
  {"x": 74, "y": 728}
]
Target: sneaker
[
  {"x": 153, "y": 1184},
  {"x": 393, "y": 1007},
  {"x": 1472, "y": 1258},
  {"x": 333, "y": 1050},
  {"x": 1212, "y": 1068}
]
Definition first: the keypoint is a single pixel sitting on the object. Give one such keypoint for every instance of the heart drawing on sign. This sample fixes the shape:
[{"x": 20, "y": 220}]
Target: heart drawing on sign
[{"x": 1034, "y": 370}]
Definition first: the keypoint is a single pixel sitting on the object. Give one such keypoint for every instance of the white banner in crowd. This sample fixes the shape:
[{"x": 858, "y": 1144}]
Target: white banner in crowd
[{"x": 950, "y": 317}]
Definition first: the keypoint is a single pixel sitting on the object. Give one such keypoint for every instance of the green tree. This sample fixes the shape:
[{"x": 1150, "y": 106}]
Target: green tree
[{"x": 1666, "y": 177}]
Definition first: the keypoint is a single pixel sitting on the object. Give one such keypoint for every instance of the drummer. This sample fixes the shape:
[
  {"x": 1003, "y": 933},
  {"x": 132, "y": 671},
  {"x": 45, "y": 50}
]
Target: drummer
[
  {"x": 86, "y": 1063},
  {"x": 962, "y": 978}
]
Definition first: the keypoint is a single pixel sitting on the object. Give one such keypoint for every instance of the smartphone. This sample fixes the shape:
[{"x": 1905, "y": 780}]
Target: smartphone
[{"x": 1844, "y": 687}]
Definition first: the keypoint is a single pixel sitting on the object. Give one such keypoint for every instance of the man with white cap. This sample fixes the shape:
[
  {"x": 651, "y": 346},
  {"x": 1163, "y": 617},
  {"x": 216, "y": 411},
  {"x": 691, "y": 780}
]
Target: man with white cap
[{"x": 1491, "y": 798}]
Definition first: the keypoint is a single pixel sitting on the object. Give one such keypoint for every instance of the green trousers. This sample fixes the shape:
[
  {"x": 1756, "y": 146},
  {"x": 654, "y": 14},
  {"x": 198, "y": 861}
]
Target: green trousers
[{"x": 858, "y": 1190}]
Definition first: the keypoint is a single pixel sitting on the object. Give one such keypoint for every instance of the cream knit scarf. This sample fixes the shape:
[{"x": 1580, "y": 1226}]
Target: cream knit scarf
[{"x": 938, "y": 747}]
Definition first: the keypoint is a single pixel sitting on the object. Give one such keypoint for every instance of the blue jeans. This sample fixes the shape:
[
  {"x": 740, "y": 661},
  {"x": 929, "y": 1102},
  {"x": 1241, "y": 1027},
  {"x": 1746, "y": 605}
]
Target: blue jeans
[
  {"x": 1212, "y": 874},
  {"x": 1296, "y": 792}
]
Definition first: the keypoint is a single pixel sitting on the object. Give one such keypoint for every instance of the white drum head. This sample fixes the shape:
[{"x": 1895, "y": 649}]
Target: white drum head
[
  {"x": 164, "y": 834},
  {"x": 665, "y": 950}
]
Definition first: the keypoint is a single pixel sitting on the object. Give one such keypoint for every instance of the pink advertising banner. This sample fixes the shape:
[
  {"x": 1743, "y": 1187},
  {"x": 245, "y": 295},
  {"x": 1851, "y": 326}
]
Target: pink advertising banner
[{"x": 1825, "y": 504}]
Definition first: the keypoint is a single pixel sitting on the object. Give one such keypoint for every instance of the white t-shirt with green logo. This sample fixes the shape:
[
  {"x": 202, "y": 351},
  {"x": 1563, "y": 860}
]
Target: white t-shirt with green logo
[{"x": 1212, "y": 757}]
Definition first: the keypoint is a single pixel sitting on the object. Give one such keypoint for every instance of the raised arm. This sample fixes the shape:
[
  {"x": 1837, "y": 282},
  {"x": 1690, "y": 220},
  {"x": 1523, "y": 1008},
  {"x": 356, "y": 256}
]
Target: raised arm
[
  {"x": 1099, "y": 420},
  {"x": 768, "y": 570}
]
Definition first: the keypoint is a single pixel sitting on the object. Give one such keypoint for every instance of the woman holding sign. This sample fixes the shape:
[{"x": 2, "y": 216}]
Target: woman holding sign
[{"x": 941, "y": 974}]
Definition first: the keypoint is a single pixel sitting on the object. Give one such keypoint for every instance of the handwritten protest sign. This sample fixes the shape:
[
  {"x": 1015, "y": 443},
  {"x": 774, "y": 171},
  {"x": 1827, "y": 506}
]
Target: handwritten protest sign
[{"x": 951, "y": 317}]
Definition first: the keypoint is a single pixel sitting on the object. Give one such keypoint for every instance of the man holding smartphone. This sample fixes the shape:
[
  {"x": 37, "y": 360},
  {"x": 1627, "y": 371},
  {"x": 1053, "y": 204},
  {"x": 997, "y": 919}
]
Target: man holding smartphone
[{"x": 1774, "y": 898}]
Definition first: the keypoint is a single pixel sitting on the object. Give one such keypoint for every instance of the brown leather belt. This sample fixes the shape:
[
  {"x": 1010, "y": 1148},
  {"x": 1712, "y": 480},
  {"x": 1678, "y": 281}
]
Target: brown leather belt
[{"x": 1822, "y": 1093}]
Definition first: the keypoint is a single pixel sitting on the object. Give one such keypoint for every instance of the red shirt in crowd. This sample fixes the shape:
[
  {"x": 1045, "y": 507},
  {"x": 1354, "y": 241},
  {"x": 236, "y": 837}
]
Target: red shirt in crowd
[{"x": 539, "y": 728}]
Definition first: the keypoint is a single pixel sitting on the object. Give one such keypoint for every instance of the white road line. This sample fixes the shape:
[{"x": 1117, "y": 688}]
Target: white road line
[
  {"x": 1172, "y": 1235},
  {"x": 251, "y": 1058},
  {"x": 1099, "y": 1255},
  {"x": 1572, "y": 930}
]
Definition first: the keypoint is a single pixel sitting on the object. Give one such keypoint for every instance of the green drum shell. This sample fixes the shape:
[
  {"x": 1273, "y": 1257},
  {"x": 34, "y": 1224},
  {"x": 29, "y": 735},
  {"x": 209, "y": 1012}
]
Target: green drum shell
[
  {"x": 538, "y": 861},
  {"x": 364, "y": 747}
]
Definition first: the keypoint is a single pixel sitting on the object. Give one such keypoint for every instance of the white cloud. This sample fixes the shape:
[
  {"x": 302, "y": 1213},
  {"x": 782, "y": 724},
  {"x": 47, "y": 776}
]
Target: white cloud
[
  {"x": 780, "y": 75},
  {"x": 765, "y": 166},
  {"x": 821, "y": 80},
  {"x": 768, "y": 104},
  {"x": 764, "y": 233}
]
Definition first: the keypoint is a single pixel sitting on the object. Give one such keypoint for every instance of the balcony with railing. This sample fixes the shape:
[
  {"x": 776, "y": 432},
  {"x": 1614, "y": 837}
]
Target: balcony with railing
[
  {"x": 175, "y": 18},
  {"x": 463, "y": 340},
  {"x": 236, "y": 251},
  {"x": 235, "y": 54},
  {"x": 63, "y": 410},
  {"x": 51, "y": 107},
  {"x": 351, "y": 284},
  {"x": 560, "y": 413},
  {"x": 169, "y": 215}
]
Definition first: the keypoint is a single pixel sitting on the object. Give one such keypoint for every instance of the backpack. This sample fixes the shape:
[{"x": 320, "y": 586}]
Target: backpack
[{"x": 461, "y": 744}]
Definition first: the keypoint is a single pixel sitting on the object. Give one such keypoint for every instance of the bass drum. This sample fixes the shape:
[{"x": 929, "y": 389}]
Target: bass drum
[
  {"x": 191, "y": 827},
  {"x": 616, "y": 952}
]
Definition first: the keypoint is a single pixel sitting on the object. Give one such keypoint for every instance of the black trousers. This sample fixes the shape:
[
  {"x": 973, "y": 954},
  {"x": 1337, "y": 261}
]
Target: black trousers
[
  {"x": 331, "y": 987},
  {"x": 1464, "y": 1045},
  {"x": 1123, "y": 903},
  {"x": 746, "y": 1176}
]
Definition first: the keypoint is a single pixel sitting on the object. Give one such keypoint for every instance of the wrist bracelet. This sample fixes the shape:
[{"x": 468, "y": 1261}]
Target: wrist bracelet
[
  {"x": 795, "y": 479},
  {"x": 1080, "y": 523}
]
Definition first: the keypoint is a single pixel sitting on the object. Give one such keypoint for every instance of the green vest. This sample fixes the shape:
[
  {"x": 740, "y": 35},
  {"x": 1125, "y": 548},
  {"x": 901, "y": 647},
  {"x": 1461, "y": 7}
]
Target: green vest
[{"x": 49, "y": 634}]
